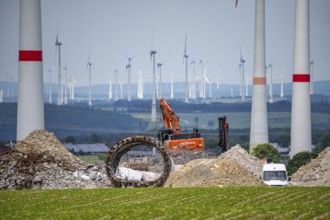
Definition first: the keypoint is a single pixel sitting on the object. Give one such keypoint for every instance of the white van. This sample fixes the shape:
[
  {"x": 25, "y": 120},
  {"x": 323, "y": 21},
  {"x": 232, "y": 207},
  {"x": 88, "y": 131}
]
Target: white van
[{"x": 274, "y": 174}]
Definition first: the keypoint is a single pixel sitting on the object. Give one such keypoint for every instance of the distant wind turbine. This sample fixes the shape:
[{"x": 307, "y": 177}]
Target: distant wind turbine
[
  {"x": 89, "y": 66},
  {"x": 110, "y": 88},
  {"x": 65, "y": 84},
  {"x": 50, "y": 87},
  {"x": 282, "y": 89},
  {"x": 59, "y": 82},
  {"x": 71, "y": 88},
  {"x": 242, "y": 77},
  {"x": 140, "y": 85},
  {"x": 185, "y": 56},
  {"x": 159, "y": 67},
  {"x": 116, "y": 87},
  {"x": 153, "y": 104},
  {"x": 270, "y": 75}
]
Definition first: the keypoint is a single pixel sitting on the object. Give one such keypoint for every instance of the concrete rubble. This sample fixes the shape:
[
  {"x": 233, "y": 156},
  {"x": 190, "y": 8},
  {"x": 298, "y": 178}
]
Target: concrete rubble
[
  {"x": 315, "y": 173},
  {"x": 41, "y": 162}
]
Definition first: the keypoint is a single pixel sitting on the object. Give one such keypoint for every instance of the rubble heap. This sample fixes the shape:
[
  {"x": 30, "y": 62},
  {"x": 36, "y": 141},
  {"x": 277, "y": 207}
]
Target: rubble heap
[
  {"x": 315, "y": 173},
  {"x": 212, "y": 172},
  {"x": 40, "y": 161},
  {"x": 243, "y": 158}
]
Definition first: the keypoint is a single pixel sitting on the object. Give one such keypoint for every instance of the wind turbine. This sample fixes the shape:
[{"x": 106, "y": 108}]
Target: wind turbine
[
  {"x": 128, "y": 69},
  {"x": 153, "y": 104},
  {"x": 65, "y": 84},
  {"x": 140, "y": 85},
  {"x": 205, "y": 80},
  {"x": 201, "y": 88},
  {"x": 193, "y": 83},
  {"x": 159, "y": 67},
  {"x": 89, "y": 66},
  {"x": 110, "y": 88},
  {"x": 1, "y": 95},
  {"x": 247, "y": 79},
  {"x": 121, "y": 89},
  {"x": 50, "y": 87},
  {"x": 242, "y": 84},
  {"x": 270, "y": 75},
  {"x": 71, "y": 88},
  {"x": 116, "y": 87},
  {"x": 185, "y": 56},
  {"x": 59, "y": 82}
]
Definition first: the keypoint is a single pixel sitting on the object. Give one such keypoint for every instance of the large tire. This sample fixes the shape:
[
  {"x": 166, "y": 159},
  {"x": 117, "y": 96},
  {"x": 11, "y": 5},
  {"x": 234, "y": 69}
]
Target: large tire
[{"x": 123, "y": 146}]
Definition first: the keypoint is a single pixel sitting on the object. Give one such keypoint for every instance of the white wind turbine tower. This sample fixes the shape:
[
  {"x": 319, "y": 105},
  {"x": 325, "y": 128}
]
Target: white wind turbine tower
[
  {"x": 65, "y": 84},
  {"x": 247, "y": 80},
  {"x": 89, "y": 66},
  {"x": 110, "y": 88},
  {"x": 282, "y": 89},
  {"x": 140, "y": 85},
  {"x": 116, "y": 87},
  {"x": 201, "y": 88},
  {"x": 311, "y": 76},
  {"x": 185, "y": 56},
  {"x": 204, "y": 80},
  {"x": 128, "y": 69},
  {"x": 59, "y": 82},
  {"x": 270, "y": 75},
  {"x": 1, "y": 96},
  {"x": 159, "y": 67},
  {"x": 121, "y": 89},
  {"x": 242, "y": 75},
  {"x": 153, "y": 104},
  {"x": 71, "y": 88},
  {"x": 50, "y": 87},
  {"x": 193, "y": 83}
]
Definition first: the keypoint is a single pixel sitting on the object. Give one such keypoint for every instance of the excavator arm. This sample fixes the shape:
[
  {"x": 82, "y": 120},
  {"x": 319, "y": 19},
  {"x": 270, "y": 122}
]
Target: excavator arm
[{"x": 171, "y": 120}]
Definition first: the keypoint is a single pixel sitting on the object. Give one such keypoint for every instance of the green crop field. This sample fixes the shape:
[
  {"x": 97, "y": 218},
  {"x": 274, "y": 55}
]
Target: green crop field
[{"x": 168, "y": 203}]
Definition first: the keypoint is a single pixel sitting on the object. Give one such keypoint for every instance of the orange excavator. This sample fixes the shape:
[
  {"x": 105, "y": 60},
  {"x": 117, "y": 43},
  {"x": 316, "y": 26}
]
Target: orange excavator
[{"x": 172, "y": 136}]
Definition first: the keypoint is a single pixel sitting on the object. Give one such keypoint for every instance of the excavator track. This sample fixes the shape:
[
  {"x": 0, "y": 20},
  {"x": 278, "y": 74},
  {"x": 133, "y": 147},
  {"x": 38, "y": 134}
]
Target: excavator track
[{"x": 125, "y": 145}]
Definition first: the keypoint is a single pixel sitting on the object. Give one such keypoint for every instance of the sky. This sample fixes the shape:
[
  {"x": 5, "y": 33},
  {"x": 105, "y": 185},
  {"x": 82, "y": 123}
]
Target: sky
[{"x": 110, "y": 31}]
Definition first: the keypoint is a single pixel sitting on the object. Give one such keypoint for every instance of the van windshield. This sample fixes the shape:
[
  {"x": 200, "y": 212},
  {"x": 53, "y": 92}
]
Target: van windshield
[{"x": 274, "y": 175}]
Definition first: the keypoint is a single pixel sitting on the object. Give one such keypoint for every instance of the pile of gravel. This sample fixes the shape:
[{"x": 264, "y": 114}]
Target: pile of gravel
[
  {"x": 315, "y": 173},
  {"x": 41, "y": 162},
  {"x": 233, "y": 168}
]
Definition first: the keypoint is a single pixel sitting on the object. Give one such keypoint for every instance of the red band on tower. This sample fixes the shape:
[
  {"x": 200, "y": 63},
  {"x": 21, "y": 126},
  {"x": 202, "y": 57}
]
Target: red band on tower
[
  {"x": 30, "y": 55},
  {"x": 259, "y": 80},
  {"x": 301, "y": 78}
]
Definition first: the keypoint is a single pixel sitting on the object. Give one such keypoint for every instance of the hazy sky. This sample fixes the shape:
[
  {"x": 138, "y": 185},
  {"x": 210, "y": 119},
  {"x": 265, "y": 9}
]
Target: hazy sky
[{"x": 106, "y": 29}]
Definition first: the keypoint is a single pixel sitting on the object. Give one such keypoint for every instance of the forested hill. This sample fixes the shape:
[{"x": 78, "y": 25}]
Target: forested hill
[
  {"x": 71, "y": 120},
  {"x": 180, "y": 106}
]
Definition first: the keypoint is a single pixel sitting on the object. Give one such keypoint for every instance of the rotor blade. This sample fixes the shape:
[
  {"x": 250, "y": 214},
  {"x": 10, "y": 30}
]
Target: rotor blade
[
  {"x": 124, "y": 55},
  {"x": 185, "y": 47},
  {"x": 236, "y": 3}
]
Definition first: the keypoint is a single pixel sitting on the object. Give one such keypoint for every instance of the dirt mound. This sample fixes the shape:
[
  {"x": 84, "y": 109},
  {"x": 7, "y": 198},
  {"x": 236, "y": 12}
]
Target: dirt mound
[
  {"x": 212, "y": 172},
  {"x": 40, "y": 161},
  {"x": 315, "y": 173}
]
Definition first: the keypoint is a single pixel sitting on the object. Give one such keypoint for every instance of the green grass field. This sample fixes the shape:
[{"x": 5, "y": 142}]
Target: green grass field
[{"x": 168, "y": 203}]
